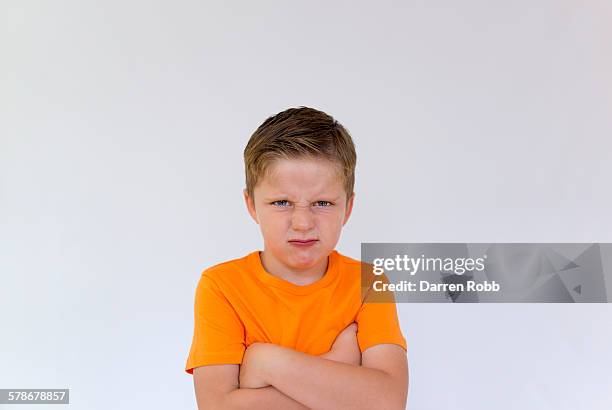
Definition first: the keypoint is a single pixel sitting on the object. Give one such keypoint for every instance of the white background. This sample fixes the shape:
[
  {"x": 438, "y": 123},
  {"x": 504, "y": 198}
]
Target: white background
[{"x": 122, "y": 126}]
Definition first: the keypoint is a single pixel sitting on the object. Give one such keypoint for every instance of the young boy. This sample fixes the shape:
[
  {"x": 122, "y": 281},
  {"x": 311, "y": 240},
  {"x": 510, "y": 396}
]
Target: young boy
[{"x": 287, "y": 327}]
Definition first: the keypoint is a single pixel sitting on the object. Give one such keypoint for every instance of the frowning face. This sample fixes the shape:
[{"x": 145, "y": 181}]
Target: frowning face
[{"x": 301, "y": 206}]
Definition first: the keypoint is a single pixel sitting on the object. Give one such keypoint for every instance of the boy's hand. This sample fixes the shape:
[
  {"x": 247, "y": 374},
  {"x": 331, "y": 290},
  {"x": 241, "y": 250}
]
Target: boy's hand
[
  {"x": 345, "y": 348},
  {"x": 251, "y": 374}
]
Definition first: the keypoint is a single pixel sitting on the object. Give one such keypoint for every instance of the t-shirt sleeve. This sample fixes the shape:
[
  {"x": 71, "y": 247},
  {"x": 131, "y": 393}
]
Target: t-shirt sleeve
[
  {"x": 218, "y": 336},
  {"x": 377, "y": 321}
]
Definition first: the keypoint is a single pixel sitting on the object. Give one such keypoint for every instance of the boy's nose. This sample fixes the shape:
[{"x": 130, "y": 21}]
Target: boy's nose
[{"x": 302, "y": 219}]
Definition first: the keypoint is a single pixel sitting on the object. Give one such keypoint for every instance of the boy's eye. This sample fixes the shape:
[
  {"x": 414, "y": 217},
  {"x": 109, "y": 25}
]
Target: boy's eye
[
  {"x": 282, "y": 202},
  {"x": 323, "y": 203}
]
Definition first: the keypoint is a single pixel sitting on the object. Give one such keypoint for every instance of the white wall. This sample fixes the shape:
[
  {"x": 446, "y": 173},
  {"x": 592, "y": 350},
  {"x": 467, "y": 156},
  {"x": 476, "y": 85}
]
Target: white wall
[{"x": 122, "y": 125}]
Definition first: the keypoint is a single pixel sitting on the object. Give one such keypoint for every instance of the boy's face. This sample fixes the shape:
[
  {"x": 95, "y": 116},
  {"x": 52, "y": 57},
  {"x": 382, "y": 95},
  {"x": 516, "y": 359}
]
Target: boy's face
[{"x": 300, "y": 200}]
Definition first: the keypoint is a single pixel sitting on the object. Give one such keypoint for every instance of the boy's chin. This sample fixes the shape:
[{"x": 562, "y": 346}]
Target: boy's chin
[{"x": 304, "y": 259}]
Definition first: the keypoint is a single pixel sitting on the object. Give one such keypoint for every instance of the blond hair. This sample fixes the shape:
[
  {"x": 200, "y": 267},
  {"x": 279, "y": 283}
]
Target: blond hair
[{"x": 296, "y": 133}]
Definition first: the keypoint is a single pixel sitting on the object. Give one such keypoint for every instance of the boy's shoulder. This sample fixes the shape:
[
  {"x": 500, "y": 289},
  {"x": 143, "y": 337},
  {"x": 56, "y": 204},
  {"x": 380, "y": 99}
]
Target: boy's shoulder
[{"x": 221, "y": 269}]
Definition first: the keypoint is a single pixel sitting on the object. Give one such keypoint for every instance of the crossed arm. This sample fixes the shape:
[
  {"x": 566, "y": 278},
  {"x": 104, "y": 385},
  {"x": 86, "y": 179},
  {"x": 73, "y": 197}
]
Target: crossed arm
[{"x": 273, "y": 376}]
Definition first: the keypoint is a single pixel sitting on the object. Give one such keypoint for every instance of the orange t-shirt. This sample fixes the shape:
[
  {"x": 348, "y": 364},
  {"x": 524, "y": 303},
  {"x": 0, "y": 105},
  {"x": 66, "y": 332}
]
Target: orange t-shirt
[{"x": 238, "y": 303}]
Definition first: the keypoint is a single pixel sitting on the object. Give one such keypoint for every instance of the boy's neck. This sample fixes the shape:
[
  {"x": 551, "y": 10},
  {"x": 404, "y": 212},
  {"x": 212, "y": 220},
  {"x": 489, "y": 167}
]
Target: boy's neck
[{"x": 297, "y": 277}]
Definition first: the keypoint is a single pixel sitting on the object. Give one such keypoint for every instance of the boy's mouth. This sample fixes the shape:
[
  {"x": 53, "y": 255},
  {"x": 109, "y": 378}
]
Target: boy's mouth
[{"x": 302, "y": 242}]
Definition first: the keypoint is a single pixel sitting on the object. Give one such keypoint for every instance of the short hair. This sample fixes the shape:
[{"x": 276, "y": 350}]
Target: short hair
[{"x": 297, "y": 133}]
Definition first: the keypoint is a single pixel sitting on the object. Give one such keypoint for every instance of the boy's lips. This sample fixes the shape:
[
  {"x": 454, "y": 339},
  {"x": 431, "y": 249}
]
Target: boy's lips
[{"x": 302, "y": 242}]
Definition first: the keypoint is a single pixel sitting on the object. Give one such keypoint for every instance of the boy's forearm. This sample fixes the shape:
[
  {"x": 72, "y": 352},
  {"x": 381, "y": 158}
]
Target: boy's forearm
[
  {"x": 319, "y": 383},
  {"x": 264, "y": 398}
]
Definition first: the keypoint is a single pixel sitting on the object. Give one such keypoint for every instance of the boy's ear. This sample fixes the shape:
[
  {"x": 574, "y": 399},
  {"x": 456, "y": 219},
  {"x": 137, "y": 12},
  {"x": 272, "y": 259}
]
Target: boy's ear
[
  {"x": 349, "y": 209},
  {"x": 250, "y": 204}
]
